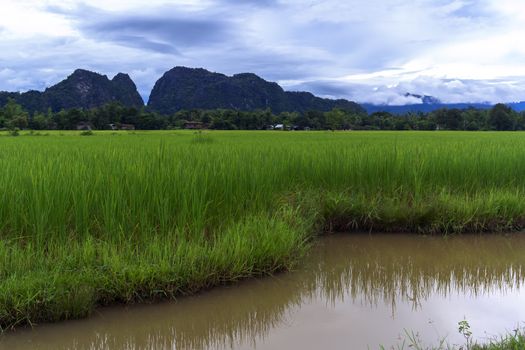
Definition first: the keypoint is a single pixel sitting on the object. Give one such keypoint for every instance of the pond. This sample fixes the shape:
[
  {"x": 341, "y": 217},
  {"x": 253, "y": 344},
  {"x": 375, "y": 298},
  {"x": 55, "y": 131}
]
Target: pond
[{"x": 351, "y": 292}]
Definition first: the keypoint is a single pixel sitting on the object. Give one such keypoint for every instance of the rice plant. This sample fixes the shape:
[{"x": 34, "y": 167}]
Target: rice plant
[{"x": 87, "y": 221}]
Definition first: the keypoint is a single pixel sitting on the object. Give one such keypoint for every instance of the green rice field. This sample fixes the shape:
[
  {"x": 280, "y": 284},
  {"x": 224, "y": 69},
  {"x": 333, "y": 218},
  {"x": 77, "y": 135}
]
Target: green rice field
[{"x": 124, "y": 217}]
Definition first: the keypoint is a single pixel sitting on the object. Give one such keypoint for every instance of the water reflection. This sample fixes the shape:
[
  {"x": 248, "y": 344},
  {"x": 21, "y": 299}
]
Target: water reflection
[
  {"x": 356, "y": 276},
  {"x": 408, "y": 269}
]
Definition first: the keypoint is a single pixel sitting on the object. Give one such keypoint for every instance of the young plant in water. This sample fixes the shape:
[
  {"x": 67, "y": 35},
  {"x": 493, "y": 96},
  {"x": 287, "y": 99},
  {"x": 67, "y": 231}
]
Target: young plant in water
[{"x": 464, "y": 330}]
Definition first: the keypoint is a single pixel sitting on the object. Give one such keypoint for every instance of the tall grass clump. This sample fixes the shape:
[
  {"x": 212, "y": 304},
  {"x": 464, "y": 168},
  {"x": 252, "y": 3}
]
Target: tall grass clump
[{"x": 87, "y": 221}]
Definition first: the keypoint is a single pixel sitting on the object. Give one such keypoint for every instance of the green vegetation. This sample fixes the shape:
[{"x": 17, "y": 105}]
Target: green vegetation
[
  {"x": 511, "y": 341},
  {"x": 115, "y": 115},
  {"x": 186, "y": 88},
  {"x": 87, "y": 221},
  {"x": 514, "y": 341},
  {"x": 82, "y": 89}
]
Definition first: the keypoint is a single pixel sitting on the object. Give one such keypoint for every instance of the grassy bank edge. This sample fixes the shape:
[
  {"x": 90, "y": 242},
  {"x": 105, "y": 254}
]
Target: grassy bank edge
[
  {"x": 514, "y": 340},
  {"x": 257, "y": 245}
]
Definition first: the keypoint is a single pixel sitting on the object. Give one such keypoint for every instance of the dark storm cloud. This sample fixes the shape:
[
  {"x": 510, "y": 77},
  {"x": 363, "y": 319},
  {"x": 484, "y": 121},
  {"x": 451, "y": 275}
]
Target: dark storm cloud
[
  {"x": 140, "y": 42},
  {"x": 162, "y": 34},
  {"x": 164, "y": 29}
]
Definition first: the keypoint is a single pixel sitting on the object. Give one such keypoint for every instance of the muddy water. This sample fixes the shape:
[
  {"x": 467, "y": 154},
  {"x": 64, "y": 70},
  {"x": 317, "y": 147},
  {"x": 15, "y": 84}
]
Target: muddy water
[{"x": 352, "y": 292}]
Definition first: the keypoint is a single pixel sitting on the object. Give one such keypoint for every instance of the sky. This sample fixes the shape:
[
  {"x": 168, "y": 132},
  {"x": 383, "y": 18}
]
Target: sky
[{"x": 371, "y": 51}]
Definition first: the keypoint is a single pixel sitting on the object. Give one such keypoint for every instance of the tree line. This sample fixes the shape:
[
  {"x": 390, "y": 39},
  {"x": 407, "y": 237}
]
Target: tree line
[{"x": 499, "y": 117}]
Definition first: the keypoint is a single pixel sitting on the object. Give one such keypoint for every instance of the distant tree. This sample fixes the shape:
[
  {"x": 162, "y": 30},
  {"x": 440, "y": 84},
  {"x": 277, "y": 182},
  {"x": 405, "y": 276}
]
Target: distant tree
[
  {"x": 316, "y": 119},
  {"x": 475, "y": 119},
  {"x": 218, "y": 123},
  {"x": 450, "y": 119},
  {"x": 74, "y": 116},
  {"x": 40, "y": 122},
  {"x": 336, "y": 119},
  {"x": 205, "y": 117},
  {"x": 421, "y": 122},
  {"x": 266, "y": 118},
  {"x": 290, "y": 119},
  {"x": 151, "y": 121},
  {"x": 302, "y": 122},
  {"x": 383, "y": 120},
  {"x": 501, "y": 117},
  {"x": 14, "y": 115},
  {"x": 401, "y": 124},
  {"x": 520, "y": 121},
  {"x": 20, "y": 122},
  {"x": 60, "y": 120}
]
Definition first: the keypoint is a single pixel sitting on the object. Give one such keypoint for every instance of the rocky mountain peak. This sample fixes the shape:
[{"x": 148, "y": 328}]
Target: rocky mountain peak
[{"x": 196, "y": 88}]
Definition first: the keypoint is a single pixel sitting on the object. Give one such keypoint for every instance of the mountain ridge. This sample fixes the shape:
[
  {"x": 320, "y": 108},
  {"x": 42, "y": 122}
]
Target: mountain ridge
[
  {"x": 81, "y": 89},
  {"x": 197, "y": 88}
]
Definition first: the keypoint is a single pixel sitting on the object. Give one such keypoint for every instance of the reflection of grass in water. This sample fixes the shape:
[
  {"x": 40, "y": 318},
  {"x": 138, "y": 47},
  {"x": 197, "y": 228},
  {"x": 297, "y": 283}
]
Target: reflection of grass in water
[
  {"x": 195, "y": 324},
  {"x": 393, "y": 268},
  {"x": 382, "y": 268}
]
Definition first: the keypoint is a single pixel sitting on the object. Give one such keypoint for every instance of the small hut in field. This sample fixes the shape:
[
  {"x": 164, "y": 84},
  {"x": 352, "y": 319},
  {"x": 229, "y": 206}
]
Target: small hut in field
[
  {"x": 84, "y": 126},
  {"x": 120, "y": 126},
  {"x": 194, "y": 125}
]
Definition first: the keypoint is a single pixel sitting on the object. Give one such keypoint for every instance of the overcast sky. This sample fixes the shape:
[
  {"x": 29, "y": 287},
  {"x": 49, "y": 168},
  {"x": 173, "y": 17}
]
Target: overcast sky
[{"x": 368, "y": 51}]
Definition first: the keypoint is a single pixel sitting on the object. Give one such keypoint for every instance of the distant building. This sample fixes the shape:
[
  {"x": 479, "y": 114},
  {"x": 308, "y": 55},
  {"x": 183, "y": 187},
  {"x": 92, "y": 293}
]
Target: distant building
[
  {"x": 119, "y": 126},
  {"x": 194, "y": 125},
  {"x": 127, "y": 127},
  {"x": 84, "y": 126},
  {"x": 283, "y": 127}
]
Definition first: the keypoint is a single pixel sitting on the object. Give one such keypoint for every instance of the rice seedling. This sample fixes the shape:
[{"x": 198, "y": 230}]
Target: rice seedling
[{"x": 87, "y": 221}]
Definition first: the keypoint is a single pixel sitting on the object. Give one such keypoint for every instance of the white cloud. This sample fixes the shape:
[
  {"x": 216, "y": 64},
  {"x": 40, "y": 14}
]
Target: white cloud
[
  {"x": 25, "y": 19},
  {"x": 455, "y": 50}
]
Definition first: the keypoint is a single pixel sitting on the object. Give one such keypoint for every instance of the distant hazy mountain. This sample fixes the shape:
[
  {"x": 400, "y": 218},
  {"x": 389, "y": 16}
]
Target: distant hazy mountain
[
  {"x": 429, "y": 104},
  {"x": 517, "y": 106},
  {"x": 188, "y": 88},
  {"x": 82, "y": 89}
]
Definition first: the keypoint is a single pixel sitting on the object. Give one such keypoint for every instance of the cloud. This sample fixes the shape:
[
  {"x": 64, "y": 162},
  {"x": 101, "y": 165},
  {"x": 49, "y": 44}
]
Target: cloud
[
  {"x": 158, "y": 34},
  {"x": 446, "y": 90},
  {"x": 141, "y": 42},
  {"x": 251, "y": 3},
  {"x": 373, "y": 51},
  {"x": 152, "y": 31}
]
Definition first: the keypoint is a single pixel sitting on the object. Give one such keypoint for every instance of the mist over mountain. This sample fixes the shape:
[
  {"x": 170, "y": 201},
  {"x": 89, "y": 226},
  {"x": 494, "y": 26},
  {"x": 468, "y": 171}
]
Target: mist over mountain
[{"x": 429, "y": 104}]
